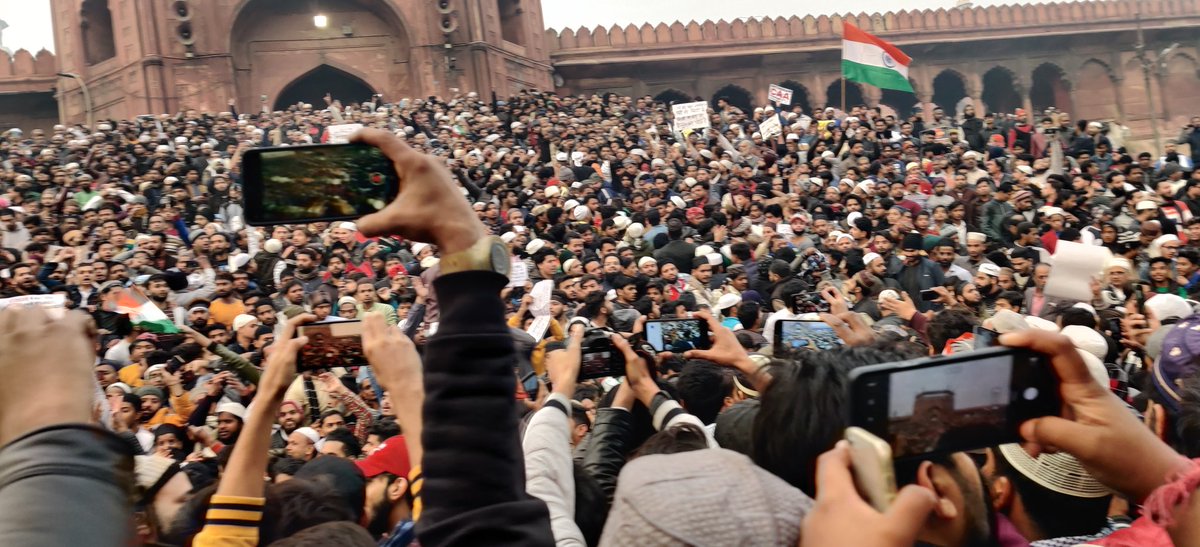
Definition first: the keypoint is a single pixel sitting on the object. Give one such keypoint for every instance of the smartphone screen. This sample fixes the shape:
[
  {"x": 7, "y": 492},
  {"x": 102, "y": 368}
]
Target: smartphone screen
[
  {"x": 300, "y": 184},
  {"x": 985, "y": 338},
  {"x": 949, "y": 404},
  {"x": 601, "y": 364},
  {"x": 793, "y": 335},
  {"x": 677, "y": 335},
  {"x": 333, "y": 344}
]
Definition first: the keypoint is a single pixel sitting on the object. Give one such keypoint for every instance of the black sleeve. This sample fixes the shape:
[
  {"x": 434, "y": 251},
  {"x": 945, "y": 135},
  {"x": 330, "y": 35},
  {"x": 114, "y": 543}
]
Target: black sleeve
[
  {"x": 474, "y": 489},
  {"x": 200, "y": 413},
  {"x": 606, "y": 451}
]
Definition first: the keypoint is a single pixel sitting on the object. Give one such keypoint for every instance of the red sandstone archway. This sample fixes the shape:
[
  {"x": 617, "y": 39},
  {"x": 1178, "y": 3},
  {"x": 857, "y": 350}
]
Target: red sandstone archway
[
  {"x": 673, "y": 96},
  {"x": 312, "y": 86},
  {"x": 737, "y": 95},
  {"x": 1050, "y": 89},
  {"x": 367, "y": 38},
  {"x": 999, "y": 90},
  {"x": 800, "y": 95},
  {"x": 854, "y": 94},
  {"x": 1097, "y": 97},
  {"x": 949, "y": 87}
]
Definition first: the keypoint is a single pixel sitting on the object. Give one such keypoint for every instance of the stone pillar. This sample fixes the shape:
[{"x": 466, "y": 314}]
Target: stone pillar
[
  {"x": 925, "y": 96},
  {"x": 1026, "y": 100},
  {"x": 1118, "y": 79},
  {"x": 871, "y": 94}
]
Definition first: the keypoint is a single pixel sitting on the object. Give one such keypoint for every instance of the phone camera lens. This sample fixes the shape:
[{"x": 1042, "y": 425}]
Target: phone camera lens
[{"x": 1031, "y": 393}]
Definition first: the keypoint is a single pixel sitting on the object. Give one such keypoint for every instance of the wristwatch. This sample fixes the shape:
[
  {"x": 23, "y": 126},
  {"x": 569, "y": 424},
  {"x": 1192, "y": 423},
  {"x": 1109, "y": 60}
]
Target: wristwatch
[{"x": 488, "y": 254}]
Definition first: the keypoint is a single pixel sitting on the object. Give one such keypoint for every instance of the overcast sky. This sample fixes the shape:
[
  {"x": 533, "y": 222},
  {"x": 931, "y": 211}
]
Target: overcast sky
[{"x": 29, "y": 24}]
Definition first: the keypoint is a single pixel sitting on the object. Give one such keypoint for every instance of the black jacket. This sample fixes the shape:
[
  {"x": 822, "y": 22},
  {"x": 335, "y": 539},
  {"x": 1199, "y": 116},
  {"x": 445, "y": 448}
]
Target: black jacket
[
  {"x": 607, "y": 447},
  {"x": 474, "y": 473}
]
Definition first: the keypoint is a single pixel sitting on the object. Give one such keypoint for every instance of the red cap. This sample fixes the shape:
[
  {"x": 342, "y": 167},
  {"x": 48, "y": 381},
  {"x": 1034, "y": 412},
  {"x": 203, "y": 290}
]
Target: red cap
[{"x": 392, "y": 457}]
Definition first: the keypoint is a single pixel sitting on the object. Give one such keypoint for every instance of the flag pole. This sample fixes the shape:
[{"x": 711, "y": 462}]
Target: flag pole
[
  {"x": 843, "y": 92},
  {"x": 843, "y": 72}
]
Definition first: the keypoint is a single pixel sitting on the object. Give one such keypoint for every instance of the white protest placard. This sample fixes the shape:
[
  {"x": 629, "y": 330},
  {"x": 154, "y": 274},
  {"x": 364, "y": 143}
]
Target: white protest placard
[
  {"x": 770, "y": 127},
  {"x": 54, "y": 304},
  {"x": 340, "y": 134},
  {"x": 1074, "y": 265},
  {"x": 691, "y": 115},
  {"x": 779, "y": 95},
  {"x": 541, "y": 293},
  {"x": 518, "y": 274},
  {"x": 537, "y": 329}
]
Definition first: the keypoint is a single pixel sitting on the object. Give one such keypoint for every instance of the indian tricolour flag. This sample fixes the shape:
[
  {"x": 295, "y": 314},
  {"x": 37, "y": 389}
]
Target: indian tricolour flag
[
  {"x": 867, "y": 59},
  {"x": 141, "y": 311}
]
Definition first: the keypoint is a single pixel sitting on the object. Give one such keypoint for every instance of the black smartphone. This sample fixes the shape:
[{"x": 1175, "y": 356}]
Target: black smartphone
[
  {"x": 929, "y": 295},
  {"x": 794, "y": 335},
  {"x": 599, "y": 358},
  {"x": 321, "y": 182},
  {"x": 677, "y": 335},
  {"x": 331, "y": 344},
  {"x": 1139, "y": 297},
  {"x": 530, "y": 383},
  {"x": 985, "y": 338},
  {"x": 953, "y": 403}
]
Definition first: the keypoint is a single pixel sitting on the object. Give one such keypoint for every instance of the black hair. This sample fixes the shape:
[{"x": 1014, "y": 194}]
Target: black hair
[
  {"x": 1054, "y": 514},
  {"x": 592, "y": 305},
  {"x": 1012, "y": 297},
  {"x": 1187, "y": 421},
  {"x": 349, "y": 442},
  {"x": 703, "y": 387},
  {"x": 803, "y": 411},
  {"x": 1077, "y": 316},
  {"x": 948, "y": 324},
  {"x": 297, "y": 504},
  {"x": 683, "y": 437},
  {"x": 329, "y": 533},
  {"x": 285, "y": 466},
  {"x": 580, "y": 415},
  {"x": 385, "y": 429}
]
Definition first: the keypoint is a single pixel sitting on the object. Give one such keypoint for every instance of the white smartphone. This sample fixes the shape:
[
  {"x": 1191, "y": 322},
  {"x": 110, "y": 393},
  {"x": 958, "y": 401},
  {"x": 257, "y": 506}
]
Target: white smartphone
[{"x": 874, "y": 475}]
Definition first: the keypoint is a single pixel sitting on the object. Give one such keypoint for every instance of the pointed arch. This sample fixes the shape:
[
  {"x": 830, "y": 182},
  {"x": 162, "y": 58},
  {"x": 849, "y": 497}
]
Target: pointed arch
[
  {"x": 949, "y": 87},
  {"x": 672, "y": 96},
  {"x": 312, "y": 86},
  {"x": 1049, "y": 88},
  {"x": 800, "y": 95},
  {"x": 737, "y": 96},
  {"x": 1098, "y": 100},
  {"x": 854, "y": 94},
  {"x": 1000, "y": 90}
]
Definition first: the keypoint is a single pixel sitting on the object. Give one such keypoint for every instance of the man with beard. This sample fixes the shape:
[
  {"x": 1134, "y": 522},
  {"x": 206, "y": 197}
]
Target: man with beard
[
  {"x": 944, "y": 253},
  {"x": 302, "y": 444},
  {"x": 22, "y": 281},
  {"x": 228, "y": 304},
  {"x": 159, "y": 293},
  {"x": 918, "y": 273},
  {"x": 967, "y": 297},
  {"x": 962, "y": 516},
  {"x": 365, "y": 294},
  {"x": 976, "y": 247},
  {"x": 308, "y": 269},
  {"x": 230, "y": 419},
  {"x": 388, "y": 502},
  {"x": 988, "y": 286},
  {"x": 290, "y": 419}
]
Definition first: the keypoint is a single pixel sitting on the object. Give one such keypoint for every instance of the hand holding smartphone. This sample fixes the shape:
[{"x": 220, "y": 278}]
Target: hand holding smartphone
[
  {"x": 953, "y": 403},
  {"x": 324, "y": 182},
  {"x": 874, "y": 474},
  {"x": 677, "y": 335},
  {"x": 331, "y": 344}
]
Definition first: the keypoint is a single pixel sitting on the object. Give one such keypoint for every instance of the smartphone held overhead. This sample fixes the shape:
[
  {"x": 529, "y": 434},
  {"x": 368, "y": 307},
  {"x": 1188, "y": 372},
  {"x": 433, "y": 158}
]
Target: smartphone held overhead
[
  {"x": 953, "y": 403},
  {"x": 332, "y": 344},
  {"x": 324, "y": 182}
]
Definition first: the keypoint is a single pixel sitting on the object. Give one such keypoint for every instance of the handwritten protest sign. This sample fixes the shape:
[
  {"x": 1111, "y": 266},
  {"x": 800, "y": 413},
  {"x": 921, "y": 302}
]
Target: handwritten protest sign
[{"x": 691, "y": 115}]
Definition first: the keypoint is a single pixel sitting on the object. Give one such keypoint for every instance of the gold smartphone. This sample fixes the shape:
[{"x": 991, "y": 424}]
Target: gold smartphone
[{"x": 874, "y": 474}]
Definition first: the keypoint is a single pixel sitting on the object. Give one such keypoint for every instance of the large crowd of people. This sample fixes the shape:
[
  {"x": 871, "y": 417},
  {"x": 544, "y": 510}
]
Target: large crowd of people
[{"x": 470, "y": 425}]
